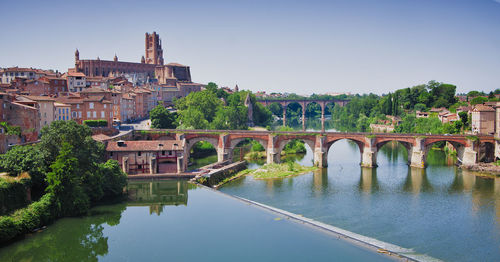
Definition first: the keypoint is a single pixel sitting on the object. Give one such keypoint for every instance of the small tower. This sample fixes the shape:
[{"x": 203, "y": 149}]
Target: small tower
[
  {"x": 77, "y": 55},
  {"x": 143, "y": 60},
  {"x": 115, "y": 58},
  {"x": 236, "y": 88},
  {"x": 248, "y": 104}
]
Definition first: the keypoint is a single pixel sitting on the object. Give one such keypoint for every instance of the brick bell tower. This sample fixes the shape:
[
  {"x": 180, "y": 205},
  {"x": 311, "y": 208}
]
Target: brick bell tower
[{"x": 154, "y": 52}]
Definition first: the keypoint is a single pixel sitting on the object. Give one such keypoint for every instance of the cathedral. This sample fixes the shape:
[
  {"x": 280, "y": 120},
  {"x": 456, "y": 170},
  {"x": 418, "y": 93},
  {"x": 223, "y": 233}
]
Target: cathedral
[{"x": 151, "y": 64}]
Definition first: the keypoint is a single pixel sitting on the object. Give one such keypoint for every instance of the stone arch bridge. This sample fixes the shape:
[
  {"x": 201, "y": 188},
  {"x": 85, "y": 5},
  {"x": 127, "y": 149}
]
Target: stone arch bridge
[
  {"x": 303, "y": 103},
  {"x": 470, "y": 149}
]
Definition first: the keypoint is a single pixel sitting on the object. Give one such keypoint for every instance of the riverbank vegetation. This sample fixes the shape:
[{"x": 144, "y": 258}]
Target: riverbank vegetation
[
  {"x": 69, "y": 166},
  {"x": 364, "y": 110}
]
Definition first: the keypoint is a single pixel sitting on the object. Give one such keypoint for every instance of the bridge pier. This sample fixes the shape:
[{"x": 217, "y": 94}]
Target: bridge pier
[
  {"x": 320, "y": 155},
  {"x": 369, "y": 154},
  {"x": 284, "y": 115},
  {"x": 417, "y": 154},
  {"x": 323, "y": 117},
  {"x": 272, "y": 154},
  {"x": 469, "y": 157},
  {"x": 223, "y": 153}
]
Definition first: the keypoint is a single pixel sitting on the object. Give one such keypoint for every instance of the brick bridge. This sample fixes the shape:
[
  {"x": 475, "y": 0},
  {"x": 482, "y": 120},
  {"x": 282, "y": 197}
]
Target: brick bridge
[
  {"x": 303, "y": 103},
  {"x": 470, "y": 149}
]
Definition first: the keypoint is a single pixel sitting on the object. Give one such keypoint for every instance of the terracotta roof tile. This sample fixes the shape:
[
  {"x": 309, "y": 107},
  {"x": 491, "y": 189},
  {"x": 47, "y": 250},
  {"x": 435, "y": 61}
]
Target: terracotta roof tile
[{"x": 145, "y": 145}]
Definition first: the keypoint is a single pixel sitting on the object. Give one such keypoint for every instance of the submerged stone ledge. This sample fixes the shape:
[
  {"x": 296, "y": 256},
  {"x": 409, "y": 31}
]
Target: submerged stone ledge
[{"x": 391, "y": 250}]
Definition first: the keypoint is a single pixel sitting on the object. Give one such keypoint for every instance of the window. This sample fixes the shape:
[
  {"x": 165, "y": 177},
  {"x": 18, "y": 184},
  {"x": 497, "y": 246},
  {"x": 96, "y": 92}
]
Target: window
[
  {"x": 91, "y": 105},
  {"x": 110, "y": 153},
  {"x": 163, "y": 152},
  {"x": 139, "y": 153},
  {"x": 80, "y": 114},
  {"x": 95, "y": 114},
  {"x": 88, "y": 114},
  {"x": 59, "y": 110},
  {"x": 105, "y": 106},
  {"x": 102, "y": 114},
  {"x": 110, "y": 114},
  {"x": 78, "y": 106}
]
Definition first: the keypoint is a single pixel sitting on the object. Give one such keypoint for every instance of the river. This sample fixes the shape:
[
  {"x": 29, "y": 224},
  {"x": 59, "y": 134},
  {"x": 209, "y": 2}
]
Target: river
[
  {"x": 172, "y": 220},
  {"x": 440, "y": 211}
]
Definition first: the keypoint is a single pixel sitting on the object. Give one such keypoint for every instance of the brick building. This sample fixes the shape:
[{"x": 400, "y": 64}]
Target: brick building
[{"x": 148, "y": 157}]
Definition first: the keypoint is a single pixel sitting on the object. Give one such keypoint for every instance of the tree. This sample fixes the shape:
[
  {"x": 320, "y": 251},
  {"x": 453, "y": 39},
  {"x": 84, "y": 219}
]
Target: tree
[
  {"x": 478, "y": 100},
  {"x": 25, "y": 159},
  {"x": 162, "y": 118},
  {"x": 113, "y": 178},
  {"x": 276, "y": 109},
  {"x": 65, "y": 182},
  {"x": 202, "y": 105},
  {"x": 464, "y": 117}
]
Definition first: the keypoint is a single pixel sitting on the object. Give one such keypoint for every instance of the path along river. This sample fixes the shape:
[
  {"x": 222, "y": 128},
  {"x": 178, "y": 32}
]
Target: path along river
[{"x": 442, "y": 211}]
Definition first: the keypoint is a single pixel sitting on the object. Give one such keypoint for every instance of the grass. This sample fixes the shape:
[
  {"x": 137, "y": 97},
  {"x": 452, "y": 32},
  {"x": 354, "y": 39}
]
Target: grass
[{"x": 282, "y": 170}]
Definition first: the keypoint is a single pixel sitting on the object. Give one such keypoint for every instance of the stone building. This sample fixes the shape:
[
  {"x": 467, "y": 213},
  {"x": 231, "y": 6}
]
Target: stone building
[
  {"x": 483, "y": 120},
  {"x": 148, "y": 157}
]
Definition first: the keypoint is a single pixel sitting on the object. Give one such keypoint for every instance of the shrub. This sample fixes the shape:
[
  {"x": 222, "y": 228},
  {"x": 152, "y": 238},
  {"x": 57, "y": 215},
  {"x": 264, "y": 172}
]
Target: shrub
[
  {"x": 26, "y": 220},
  {"x": 12, "y": 194},
  {"x": 96, "y": 123}
]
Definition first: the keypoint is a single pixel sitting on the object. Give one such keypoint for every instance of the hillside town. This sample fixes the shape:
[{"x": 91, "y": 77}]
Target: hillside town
[{"x": 110, "y": 92}]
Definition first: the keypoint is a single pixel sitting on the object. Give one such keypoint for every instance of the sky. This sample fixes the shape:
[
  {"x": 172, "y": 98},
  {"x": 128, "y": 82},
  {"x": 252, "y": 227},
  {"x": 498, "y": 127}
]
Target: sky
[{"x": 302, "y": 47}]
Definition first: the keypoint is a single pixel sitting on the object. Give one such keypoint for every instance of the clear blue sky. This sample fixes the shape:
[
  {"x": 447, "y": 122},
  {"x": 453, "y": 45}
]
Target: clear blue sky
[{"x": 286, "y": 46}]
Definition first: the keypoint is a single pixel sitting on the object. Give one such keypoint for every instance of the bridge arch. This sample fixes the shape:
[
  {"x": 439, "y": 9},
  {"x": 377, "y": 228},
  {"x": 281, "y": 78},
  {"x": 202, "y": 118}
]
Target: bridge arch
[
  {"x": 360, "y": 143},
  {"x": 192, "y": 141},
  {"x": 298, "y": 110},
  {"x": 235, "y": 141},
  {"x": 458, "y": 145},
  {"x": 486, "y": 152},
  {"x": 407, "y": 143}
]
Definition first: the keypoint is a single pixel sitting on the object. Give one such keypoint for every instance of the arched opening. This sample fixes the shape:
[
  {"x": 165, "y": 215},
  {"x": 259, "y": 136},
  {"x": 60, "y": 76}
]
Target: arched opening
[
  {"x": 297, "y": 150},
  {"x": 486, "y": 152},
  {"x": 277, "y": 110},
  {"x": 250, "y": 149},
  {"x": 313, "y": 116},
  {"x": 294, "y": 115},
  {"x": 201, "y": 153},
  {"x": 329, "y": 108},
  {"x": 444, "y": 152},
  {"x": 344, "y": 151},
  {"x": 394, "y": 151}
]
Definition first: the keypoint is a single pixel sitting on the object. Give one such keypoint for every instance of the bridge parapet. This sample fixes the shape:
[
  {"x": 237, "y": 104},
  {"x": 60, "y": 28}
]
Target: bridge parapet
[{"x": 418, "y": 145}]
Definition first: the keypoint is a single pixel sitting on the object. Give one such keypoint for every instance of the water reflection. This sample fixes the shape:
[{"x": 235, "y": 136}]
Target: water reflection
[
  {"x": 416, "y": 181},
  {"x": 368, "y": 182},
  {"x": 157, "y": 194},
  {"x": 71, "y": 239},
  {"x": 320, "y": 181}
]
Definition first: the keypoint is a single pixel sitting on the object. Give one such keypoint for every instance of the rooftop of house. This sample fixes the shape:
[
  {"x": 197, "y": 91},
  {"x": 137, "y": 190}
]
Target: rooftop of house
[
  {"x": 483, "y": 108},
  {"x": 144, "y": 145}
]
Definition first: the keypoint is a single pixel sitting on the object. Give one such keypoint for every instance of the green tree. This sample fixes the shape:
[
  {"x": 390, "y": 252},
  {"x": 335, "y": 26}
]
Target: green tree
[
  {"x": 478, "y": 100},
  {"x": 464, "y": 118},
  {"x": 113, "y": 178},
  {"x": 65, "y": 182},
  {"x": 162, "y": 118},
  {"x": 25, "y": 159}
]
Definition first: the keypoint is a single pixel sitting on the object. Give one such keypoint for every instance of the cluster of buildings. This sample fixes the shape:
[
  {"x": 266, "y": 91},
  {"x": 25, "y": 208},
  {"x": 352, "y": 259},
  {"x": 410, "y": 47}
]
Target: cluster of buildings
[{"x": 95, "y": 89}]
